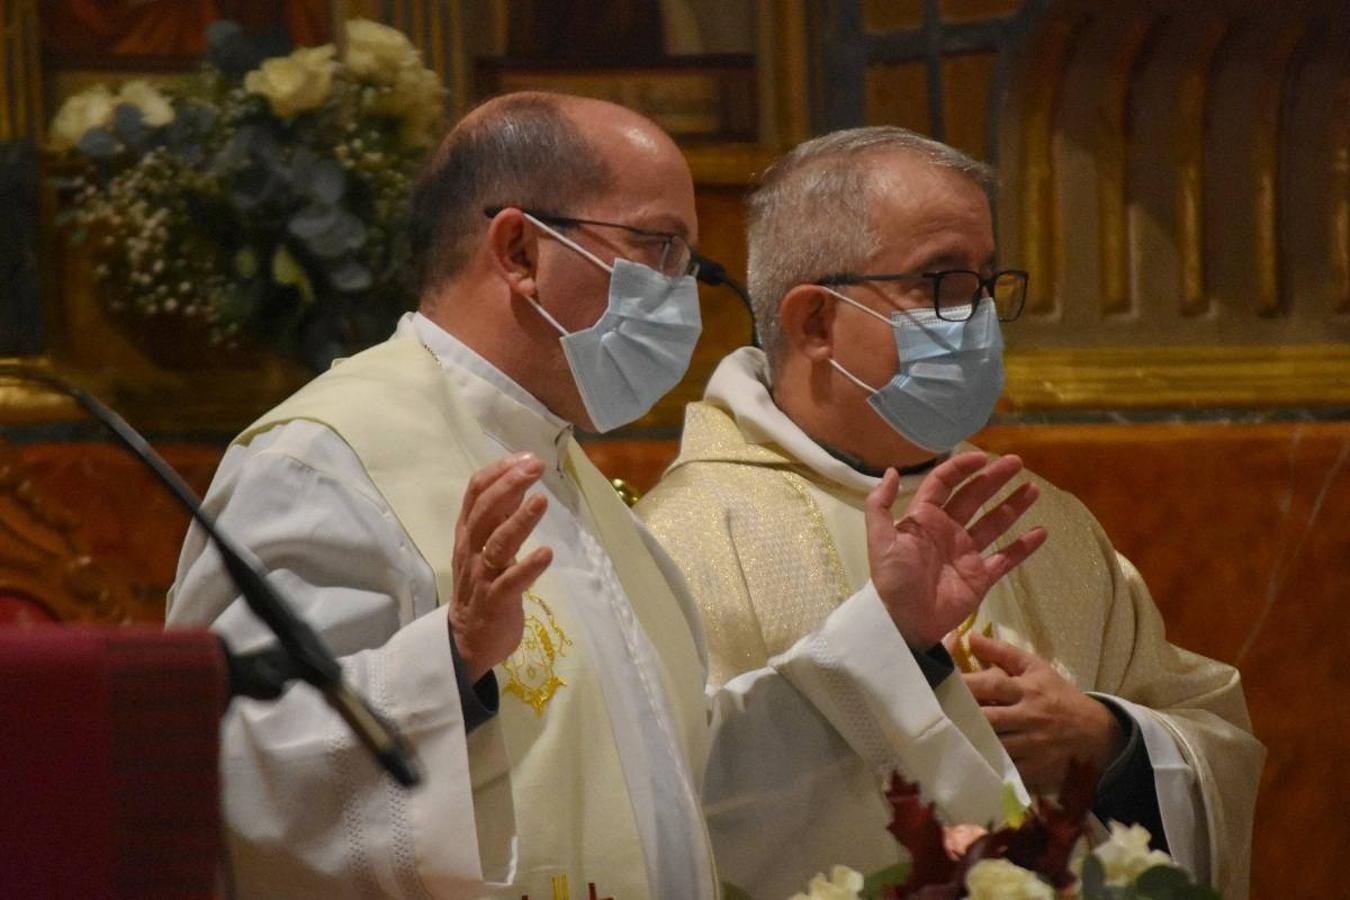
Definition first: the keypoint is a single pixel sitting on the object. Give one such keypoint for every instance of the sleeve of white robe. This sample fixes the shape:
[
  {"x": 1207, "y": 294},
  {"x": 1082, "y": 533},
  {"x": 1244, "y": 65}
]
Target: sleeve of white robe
[
  {"x": 801, "y": 742},
  {"x": 1194, "y": 722},
  {"x": 308, "y": 813}
]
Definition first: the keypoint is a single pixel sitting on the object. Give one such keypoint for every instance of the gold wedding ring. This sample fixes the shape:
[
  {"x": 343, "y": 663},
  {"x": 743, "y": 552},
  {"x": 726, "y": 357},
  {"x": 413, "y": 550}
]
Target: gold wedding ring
[{"x": 482, "y": 554}]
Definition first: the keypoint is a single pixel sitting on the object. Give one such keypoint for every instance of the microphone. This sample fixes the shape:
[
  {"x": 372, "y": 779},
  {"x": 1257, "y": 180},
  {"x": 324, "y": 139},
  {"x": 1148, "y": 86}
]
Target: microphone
[
  {"x": 302, "y": 654},
  {"x": 713, "y": 274}
]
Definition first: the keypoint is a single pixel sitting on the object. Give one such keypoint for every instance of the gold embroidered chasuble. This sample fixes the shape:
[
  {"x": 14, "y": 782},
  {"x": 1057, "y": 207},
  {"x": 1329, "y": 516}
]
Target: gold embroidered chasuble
[
  {"x": 552, "y": 799},
  {"x": 770, "y": 533}
]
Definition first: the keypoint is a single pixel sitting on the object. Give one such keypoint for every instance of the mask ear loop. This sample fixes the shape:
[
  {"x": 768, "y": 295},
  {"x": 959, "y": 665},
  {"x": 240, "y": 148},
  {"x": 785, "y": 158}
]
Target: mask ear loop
[
  {"x": 853, "y": 378},
  {"x": 573, "y": 245},
  {"x": 837, "y": 367}
]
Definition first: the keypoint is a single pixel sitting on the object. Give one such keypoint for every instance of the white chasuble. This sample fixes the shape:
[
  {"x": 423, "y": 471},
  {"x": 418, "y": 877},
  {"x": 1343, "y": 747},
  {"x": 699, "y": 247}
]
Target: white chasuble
[
  {"x": 588, "y": 772},
  {"x": 769, "y": 530}
]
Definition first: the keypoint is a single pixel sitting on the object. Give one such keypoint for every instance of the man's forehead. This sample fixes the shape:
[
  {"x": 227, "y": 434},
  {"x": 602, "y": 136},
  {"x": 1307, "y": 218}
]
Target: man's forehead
[
  {"x": 938, "y": 218},
  {"x": 904, "y": 176},
  {"x": 657, "y": 196}
]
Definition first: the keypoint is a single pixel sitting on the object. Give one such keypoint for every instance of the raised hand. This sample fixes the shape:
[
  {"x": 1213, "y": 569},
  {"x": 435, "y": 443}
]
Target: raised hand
[
  {"x": 1042, "y": 719},
  {"x": 486, "y": 614},
  {"x": 929, "y": 567}
]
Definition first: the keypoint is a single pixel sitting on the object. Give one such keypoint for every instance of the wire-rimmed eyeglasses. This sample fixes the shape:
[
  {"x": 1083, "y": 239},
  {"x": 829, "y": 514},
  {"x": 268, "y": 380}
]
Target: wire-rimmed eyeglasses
[{"x": 666, "y": 252}]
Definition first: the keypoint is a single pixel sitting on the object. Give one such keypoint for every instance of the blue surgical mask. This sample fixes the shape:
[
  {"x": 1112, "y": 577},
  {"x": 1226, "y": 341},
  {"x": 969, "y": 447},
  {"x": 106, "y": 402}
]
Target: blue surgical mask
[
  {"x": 950, "y": 374},
  {"x": 639, "y": 348}
]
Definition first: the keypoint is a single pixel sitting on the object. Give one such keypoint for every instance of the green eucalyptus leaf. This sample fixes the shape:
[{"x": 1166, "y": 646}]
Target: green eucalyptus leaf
[
  {"x": 130, "y": 128},
  {"x": 1161, "y": 882},
  {"x": 253, "y": 141},
  {"x": 304, "y": 160},
  {"x": 312, "y": 221},
  {"x": 253, "y": 187},
  {"x": 346, "y": 234},
  {"x": 328, "y": 182},
  {"x": 98, "y": 143},
  {"x": 1093, "y": 878},
  {"x": 891, "y": 876},
  {"x": 350, "y": 277}
]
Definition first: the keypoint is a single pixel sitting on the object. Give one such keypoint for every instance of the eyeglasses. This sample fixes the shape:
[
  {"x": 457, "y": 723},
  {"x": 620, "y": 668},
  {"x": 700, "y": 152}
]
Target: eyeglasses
[
  {"x": 957, "y": 292},
  {"x": 664, "y": 251}
]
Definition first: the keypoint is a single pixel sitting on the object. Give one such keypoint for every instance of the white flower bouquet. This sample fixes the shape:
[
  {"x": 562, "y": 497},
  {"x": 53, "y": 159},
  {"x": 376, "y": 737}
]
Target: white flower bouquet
[{"x": 262, "y": 198}]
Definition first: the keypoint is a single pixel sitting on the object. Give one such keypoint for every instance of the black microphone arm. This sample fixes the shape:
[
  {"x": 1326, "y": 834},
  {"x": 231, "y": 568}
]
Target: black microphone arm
[
  {"x": 713, "y": 274},
  {"x": 302, "y": 654}
]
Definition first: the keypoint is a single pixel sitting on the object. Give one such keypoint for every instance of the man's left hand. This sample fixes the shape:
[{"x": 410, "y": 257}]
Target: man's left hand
[{"x": 1042, "y": 719}]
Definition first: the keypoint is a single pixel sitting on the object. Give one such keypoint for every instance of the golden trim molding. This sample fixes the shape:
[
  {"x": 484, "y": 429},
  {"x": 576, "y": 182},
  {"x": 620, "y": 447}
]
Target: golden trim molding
[
  {"x": 1178, "y": 377},
  {"x": 24, "y": 403}
]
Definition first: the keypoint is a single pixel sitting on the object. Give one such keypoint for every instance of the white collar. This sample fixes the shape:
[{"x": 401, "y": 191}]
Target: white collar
[
  {"x": 741, "y": 385},
  {"x": 507, "y": 413}
]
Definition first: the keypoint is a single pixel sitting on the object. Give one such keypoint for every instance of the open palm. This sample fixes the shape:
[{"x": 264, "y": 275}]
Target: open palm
[{"x": 929, "y": 567}]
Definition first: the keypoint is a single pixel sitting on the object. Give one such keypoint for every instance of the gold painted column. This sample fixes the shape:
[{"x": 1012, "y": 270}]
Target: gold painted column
[
  {"x": 1266, "y": 239},
  {"x": 20, "y": 75},
  {"x": 436, "y": 27},
  {"x": 1042, "y": 236},
  {"x": 1113, "y": 165},
  {"x": 1192, "y": 95},
  {"x": 1339, "y": 184}
]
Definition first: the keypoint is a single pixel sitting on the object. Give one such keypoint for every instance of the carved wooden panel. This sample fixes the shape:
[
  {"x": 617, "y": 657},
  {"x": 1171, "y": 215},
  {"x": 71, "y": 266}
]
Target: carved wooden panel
[
  {"x": 1174, "y": 175},
  {"x": 86, "y": 534}
]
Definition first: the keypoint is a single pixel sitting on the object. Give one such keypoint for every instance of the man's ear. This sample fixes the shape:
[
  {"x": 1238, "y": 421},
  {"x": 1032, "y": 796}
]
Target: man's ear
[
  {"x": 806, "y": 317},
  {"x": 513, "y": 250}
]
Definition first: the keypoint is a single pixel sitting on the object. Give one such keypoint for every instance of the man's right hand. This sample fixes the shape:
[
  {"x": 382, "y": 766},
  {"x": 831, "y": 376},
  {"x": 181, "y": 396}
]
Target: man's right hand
[
  {"x": 929, "y": 568},
  {"x": 487, "y": 619}
]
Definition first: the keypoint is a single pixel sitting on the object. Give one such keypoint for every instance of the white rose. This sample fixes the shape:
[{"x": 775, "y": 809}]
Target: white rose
[
  {"x": 1125, "y": 855},
  {"x": 88, "y": 109},
  {"x": 295, "y": 83},
  {"x": 419, "y": 100},
  {"x": 843, "y": 884},
  {"x": 154, "y": 106},
  {"x": 376, "y": 52},
  {"x": 998, "y": 879}
]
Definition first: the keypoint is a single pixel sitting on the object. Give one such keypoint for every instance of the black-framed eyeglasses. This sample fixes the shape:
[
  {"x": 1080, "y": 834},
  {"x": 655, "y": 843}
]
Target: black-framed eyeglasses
[
  {"x": 958, "y": 292},
  {"x": 666, "y": 252}
]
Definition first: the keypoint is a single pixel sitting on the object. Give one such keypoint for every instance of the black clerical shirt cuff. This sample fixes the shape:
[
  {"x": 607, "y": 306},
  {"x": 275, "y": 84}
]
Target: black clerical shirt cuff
[
  {"x": 935, "y": 663},
  {"x": 1126, "y": 791},
  {"x": 478, "y": 701}
]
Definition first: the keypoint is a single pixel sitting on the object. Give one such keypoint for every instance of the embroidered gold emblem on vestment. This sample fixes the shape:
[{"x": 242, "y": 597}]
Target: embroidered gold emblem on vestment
[{"x": 532, "y": 668}]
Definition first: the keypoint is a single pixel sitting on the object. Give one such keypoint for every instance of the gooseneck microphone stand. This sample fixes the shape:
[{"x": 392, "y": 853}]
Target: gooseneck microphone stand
[
  {"x": 300, "y": 653},
  {"x": 712, "y": 273}
]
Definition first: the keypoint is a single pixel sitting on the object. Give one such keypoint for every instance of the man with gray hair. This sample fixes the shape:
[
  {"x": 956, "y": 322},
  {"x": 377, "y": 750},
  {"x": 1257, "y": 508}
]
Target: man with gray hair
[{"x": 878, "y": 302}]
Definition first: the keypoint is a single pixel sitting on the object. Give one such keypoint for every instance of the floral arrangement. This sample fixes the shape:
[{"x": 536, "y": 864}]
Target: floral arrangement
[
  {"x": 1040, "y": 854},
  {"x": 260, "y": 198}
]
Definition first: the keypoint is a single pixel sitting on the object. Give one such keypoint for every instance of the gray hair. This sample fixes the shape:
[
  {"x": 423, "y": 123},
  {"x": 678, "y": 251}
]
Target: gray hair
[
  {"x": 811, "y": 215},
  {"x": 518, "y": 150}
]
